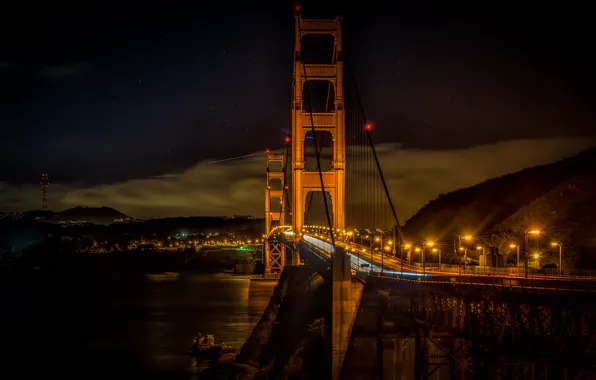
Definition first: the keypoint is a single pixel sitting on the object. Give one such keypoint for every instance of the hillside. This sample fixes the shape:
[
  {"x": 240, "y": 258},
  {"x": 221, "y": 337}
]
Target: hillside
[
  {"x": 558, "y": 198},
  {"x": 97, "y": 215}
]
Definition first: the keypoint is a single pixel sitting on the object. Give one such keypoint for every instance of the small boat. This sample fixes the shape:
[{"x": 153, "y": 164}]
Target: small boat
[{"x": 204, "y": 348}]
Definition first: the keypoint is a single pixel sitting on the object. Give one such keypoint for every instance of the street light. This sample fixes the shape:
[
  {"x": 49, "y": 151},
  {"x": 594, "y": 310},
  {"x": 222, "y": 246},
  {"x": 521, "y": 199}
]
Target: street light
[
  {"x": 408, "y": 247},
  {"x": 480, "y": 248},
  {"x": 534, "y": 232},
  {"x": 516, "y": 246},
  {"x": 424, "y": 244},
  {"x": 417, "y": 249},
  {"x": 439, "y": 251},
  {"x": 536, "y": 257},
  {"x": 560, "y": 245},
  {"x": 465, "y": 250},
  {"x": 455, "y": 249}
]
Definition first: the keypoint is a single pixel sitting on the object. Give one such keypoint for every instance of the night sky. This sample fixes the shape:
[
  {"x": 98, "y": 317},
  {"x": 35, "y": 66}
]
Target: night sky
[{"x": 126, "y": 106}]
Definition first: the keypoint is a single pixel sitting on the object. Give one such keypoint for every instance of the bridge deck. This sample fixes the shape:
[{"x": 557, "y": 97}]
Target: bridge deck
[{"x": 395, "y": 269}]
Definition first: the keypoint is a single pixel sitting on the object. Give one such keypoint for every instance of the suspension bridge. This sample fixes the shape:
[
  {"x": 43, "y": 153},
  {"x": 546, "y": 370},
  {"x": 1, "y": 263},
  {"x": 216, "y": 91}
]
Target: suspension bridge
[{"x": 327, "y": 204}]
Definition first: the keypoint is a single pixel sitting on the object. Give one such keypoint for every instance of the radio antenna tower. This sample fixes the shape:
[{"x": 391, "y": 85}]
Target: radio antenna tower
[{"x": 44, "y": 191}]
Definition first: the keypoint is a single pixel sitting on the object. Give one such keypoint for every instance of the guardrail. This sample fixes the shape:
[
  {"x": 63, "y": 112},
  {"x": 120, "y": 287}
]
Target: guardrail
[
  {"x": 502, "y": 282},
  {"x": 393, "y": 267},
  {"x": 393, "y": 264},
  {"x": 319, "y": 248}
]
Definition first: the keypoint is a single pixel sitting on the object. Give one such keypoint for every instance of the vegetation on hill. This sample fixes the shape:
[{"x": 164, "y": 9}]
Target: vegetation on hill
[
  {"x": 559, "y": 199},
  {"x": 81, "y": 211}
]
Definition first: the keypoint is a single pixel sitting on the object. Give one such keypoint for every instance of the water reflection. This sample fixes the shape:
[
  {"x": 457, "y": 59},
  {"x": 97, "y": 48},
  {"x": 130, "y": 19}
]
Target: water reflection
[
  {"x": 226, "y": 306},
  {"x": 141, "y": 324}
]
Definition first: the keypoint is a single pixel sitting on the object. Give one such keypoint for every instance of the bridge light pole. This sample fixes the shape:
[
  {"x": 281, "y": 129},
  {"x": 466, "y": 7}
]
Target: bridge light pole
[
  {"x": 516, "y": 246},
  {"x": 418, "y": 250},
  {"x": 458, "y": 247},
  {"x": 480, "y": 248},
  {"x": 377, "y": 239},
  {"x": 465, "y": 251},
  {"x": 560, "y": 245},
  {"x": 531, "y": 232},
  {"x": 401, "y": 248},
  {"x": 439, "y": 251},
  {"x": 424, "y": 244}
]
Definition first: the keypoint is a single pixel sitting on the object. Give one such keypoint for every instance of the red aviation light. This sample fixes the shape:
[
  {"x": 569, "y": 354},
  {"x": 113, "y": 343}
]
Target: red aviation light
[
  {"x": 368, "y": 127},
  {"x": 287, "y": 139},
  {"x": 297, "y": 8},
  {"x": 267, "y": 151}
]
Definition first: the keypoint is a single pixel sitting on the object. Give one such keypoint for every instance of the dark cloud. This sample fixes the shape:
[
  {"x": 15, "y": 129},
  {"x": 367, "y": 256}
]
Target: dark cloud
[
  {"x": 5, "y": 65},
  {"x": 66, "y": 70},
  {"x": 415, "y": 176}
]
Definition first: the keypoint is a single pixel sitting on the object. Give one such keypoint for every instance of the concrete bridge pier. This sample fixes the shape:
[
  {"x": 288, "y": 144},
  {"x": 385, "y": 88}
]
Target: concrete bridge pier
[{"x": 344, "y": 309}]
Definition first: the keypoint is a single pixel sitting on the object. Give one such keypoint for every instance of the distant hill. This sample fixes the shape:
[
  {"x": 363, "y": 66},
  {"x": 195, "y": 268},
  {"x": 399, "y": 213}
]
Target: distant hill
[
  {"x": 96, "y": 215},
  {"x": 559, "y": 199}
]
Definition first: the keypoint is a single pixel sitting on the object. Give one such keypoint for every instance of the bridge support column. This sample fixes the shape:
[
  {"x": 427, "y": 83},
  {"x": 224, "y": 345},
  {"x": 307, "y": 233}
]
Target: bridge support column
[
  {"x": 296, "y": 253},
  {"x": 275, "y": 251},
  {"x": 275, "y": 257},
  {"x": 343, "y": 310}
]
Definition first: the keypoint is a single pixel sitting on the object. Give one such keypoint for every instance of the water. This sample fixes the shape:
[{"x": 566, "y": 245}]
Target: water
[{"x": 131, "y": 325}]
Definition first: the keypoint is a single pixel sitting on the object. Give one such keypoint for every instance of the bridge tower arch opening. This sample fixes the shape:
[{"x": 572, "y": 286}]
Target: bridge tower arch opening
[
  {"x": 332, "y": 121},
  {"x": 315, "y": 207}
]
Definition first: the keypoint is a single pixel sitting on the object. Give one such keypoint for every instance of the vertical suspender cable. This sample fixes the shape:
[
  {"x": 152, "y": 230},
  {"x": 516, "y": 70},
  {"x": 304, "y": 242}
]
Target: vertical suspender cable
[{"x": 374, "y": 152}]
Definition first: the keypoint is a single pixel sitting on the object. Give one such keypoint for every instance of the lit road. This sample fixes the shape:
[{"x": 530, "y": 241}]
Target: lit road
[{"x": 392, "y": 266}]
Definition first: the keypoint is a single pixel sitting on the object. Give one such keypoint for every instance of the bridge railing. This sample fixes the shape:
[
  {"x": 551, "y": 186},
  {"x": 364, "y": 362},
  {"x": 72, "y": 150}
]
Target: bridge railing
[
  {"x": 384, "y": 263},
  {"x": 546, "y": 284}
]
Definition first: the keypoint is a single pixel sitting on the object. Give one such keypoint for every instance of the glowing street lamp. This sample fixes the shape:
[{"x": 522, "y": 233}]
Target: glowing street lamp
[
  {"x": 458, "y": 247},
  {"x": 534, "y": 232},
  {"x": 515, "y": 246},
  {"x": 465, "y": 251},
  {"x": 481, "y": 248},
  {"x": 424, "y": 244},
  {"x": 408, "y": 247},
  {"x": 439, "y": 251}
]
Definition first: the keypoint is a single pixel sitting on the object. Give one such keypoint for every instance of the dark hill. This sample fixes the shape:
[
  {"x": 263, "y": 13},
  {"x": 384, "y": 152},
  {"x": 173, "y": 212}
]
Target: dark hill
[
  {"x": 558, "y": 198},
  {"x": 97, "y": 215}
]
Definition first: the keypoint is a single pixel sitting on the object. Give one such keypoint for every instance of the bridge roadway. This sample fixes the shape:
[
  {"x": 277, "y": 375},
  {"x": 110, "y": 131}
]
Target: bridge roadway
[{"x": 395, "y": 269}]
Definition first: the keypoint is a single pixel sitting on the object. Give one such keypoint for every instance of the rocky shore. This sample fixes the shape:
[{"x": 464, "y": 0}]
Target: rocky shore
[{"x": 290, "y": 341}]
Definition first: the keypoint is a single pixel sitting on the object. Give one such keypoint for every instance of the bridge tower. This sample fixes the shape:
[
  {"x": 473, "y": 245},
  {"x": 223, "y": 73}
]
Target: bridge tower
[
  {"x": 304, "y": 181},
  {"x": 275, "y": 251},
  {"x": 333, "y": 181}
]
